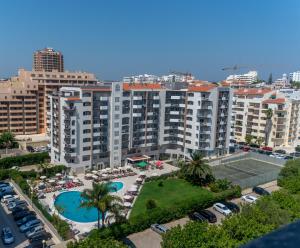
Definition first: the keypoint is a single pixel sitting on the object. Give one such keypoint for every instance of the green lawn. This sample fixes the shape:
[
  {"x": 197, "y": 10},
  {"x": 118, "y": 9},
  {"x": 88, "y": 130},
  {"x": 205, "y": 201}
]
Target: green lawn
[{"x": 172, "y": 192}]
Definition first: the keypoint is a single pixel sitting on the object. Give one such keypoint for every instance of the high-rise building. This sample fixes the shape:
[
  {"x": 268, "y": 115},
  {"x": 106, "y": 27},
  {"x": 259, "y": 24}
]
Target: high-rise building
[
  {"x": 247, "y": 78},
  {"x": 105, "y": 125},
  {"x": 295, "y": 76},
  {"x": 24, "y": 100},
  {"x": 48, "y": 60}
]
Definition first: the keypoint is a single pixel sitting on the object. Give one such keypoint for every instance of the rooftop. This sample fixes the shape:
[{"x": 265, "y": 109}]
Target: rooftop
[
  {"x": 252, "y": 91},
  {"x": 141, "y": 86}
]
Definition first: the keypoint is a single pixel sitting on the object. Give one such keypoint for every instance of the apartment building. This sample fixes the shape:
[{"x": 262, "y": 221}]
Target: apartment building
[
  {"x": 247, "y": 78},
  {"x": 48, "y": 60},
  {"x": 112, "y": 122},
  {"x": 250, "y": 108}
]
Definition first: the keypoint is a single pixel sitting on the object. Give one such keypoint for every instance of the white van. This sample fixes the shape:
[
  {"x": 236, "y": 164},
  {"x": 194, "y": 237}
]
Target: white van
[{"x": 34, "y": 230}]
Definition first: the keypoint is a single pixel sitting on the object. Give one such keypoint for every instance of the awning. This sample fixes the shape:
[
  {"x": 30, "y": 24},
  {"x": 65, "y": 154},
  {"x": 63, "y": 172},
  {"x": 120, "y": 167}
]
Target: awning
[
  {"x": 158, "y": 163},
  {"x": 142, "y": 164}
]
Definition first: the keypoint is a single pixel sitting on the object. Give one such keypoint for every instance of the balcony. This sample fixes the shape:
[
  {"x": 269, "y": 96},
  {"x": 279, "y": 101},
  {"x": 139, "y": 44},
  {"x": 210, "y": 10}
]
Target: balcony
[
  {"x": 174, "y": 112},
  {"x": 204, "y": 115},
  {"x": 175, "y": 97}
]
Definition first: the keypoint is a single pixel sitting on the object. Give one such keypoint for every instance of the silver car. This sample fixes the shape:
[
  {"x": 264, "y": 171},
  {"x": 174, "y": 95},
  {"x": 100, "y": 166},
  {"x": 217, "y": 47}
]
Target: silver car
[
  {"x": 7, "y": 236},
  {"x": 32, "y": 223},
  {"x": 160, "y": 229}
]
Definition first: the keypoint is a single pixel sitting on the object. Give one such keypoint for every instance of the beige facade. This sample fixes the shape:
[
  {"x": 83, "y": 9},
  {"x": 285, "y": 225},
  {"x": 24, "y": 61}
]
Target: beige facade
[
  {"x": 24, "y": 100},
  {"x": 250, "y": 107}
]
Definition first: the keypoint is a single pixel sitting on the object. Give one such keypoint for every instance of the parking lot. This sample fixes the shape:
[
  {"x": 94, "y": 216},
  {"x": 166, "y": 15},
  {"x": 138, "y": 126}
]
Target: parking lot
[
  {"x": 151, "y": 239},
  {"x": 7, "y": 220}
]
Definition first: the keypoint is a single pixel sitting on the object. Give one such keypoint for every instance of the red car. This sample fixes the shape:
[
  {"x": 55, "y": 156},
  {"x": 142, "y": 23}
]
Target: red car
[
  {"x": 246, "y": 148},
  {"x": 267, "y": 148}
]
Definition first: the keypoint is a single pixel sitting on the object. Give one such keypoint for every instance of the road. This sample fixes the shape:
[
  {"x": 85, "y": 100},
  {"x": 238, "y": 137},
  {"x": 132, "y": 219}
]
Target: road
[
  {"x": 6, "y": 220},
  {"x": 150, "y": 239}
]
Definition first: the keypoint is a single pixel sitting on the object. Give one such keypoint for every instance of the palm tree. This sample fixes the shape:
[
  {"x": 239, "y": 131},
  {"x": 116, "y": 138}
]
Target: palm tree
[
  {"x": 268, "y": 128},
  {"x": 197, "y": 170},
  {"x": 43, "y": 167},
  {"x": 99, "y": 197},
  {"x": 7, "y": 140}
]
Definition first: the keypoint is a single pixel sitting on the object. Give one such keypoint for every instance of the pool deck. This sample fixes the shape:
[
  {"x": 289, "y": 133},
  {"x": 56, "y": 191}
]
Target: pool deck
[{"x": 127, "y": 183}]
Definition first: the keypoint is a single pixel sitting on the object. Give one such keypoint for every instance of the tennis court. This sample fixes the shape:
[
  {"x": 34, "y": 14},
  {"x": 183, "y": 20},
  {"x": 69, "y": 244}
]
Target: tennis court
[{"x": 247, "y": 172}]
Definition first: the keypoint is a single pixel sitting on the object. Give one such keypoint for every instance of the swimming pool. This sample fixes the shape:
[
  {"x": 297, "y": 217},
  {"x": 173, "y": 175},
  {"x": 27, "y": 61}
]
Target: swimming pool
[{"x": 69, "y": 204}]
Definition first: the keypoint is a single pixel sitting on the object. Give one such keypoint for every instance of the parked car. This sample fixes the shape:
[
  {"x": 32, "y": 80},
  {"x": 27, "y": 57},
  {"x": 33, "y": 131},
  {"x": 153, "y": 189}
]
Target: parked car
[
  {"x": 34, "y": 231},
  {"x": 288, "y": 157},
  {"x": 197, "y": 217},
  {"x": 221, "y": 208},
  {"x": 22, "y": 214},
  {"x": 40, "y": 236},
  {"x": 280, "y": 151},
  {"x": 249, "y": 198},
  {"x": 37, "y": 244},
  {"x": 232, "y": 206},
  {"x": 7, "y": 236},
  {"x": 210, "y": 216},
  {"x": 32, "y": 223},
  {"x": 30, "y": 148},
  {"x": 295, "y": 154},
  {"x": 9, "y": 197},
  {"x": 19, "y": 209},
  {"x": 253, "y": 145},
  {"x": 267, "y": 148},
  {"x": 246, "y": 149},
  {"x": 260, "y": 191},
  {"x": 25, "y": 219},
  {"x": 4, "y": 184},
  {"x": 160, "y": 229},
  {"x": 16, "y": 203}
]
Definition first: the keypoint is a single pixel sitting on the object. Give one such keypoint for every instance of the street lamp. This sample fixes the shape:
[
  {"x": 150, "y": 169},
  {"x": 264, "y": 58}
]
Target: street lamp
[{"x": 44, "y": 243}]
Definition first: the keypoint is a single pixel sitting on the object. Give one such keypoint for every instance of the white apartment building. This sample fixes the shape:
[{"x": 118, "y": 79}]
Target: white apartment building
[
  {"x": 247, "y": 78},
  {"x": 295, "y": 76},
  {"x": 250, "y": 108},
  {"x": 104, "y": 125}
]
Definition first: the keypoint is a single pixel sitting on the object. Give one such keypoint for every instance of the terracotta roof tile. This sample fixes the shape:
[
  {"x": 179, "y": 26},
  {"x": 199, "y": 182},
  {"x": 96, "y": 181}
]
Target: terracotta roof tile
[
  {"x": 141, "y": 86},
  {"x": 275, "y": 101},
  {"x": 252, "y": 91},
  {"x": 73, "y": 99},
  {"x": 202, "y": 88}
]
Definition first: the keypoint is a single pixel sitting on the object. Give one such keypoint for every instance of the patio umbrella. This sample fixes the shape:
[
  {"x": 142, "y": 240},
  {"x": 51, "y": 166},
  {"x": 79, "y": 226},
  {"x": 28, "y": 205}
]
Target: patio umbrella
[
  {"x": 51, "y": 181},
  {"x": 158, "y": 163},
  {"x": 58, "y": 174},
  {"x": 139, "y": 179},
  {"x": 115, "y": 170},
  {"x": 43, "y": 177},
  {"x": 127, "y": 204},
  {"x": 75, "y": 181},
  {"x": 127, "y": 197},
  {"x": 120, "y": 168},
  {"x": 154, "y": 174},
  {"x": 89, "y": 175},
  {"x": 41, "y": 184},
  {"x": 95, "y": 176},
  {"x": 71, "y": 177},
  {"x": 127, "y": 167},
  {"x": 142, "y": 173},
  {"x": 142, "y": 164},
  {"x": 62, "y": 182},
  {"x": 132, "y": 189},
  {"x": 104, "y": 175},
  {"x": 94, "y": 172}
]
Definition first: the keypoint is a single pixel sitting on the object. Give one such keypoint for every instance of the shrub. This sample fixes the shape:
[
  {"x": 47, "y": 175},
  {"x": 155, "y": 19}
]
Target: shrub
[
  {"x": 161, "y": 183},
  {"x": 220, "y": 185},
  {"x": 163, "y": 177},
  {"x": 28, "y": 159},
  {"x": 151, "y": 204}
]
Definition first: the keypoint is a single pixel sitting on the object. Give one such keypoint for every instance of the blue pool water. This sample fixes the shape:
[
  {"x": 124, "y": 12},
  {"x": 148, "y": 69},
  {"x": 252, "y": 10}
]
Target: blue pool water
[{"x": 70, "y": 202}]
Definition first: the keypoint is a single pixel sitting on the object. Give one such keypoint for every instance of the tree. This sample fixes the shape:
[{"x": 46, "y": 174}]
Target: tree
[
  {"x": 248, "y": 138},
  {"x": 297, "y": 148},
  {"x": 43, "y": 168},
  {"x": 259, "y": 141},
  {"x": 150, "y": 204},
  {"x": 197, "y": 171},
  {"x": 270, "y": 80},
  {"x": 99, "y": 197},
  {"x": 7, "y": 140},
  {"x": 268, "y": 128},
  {"x": 96, "y": 242}
]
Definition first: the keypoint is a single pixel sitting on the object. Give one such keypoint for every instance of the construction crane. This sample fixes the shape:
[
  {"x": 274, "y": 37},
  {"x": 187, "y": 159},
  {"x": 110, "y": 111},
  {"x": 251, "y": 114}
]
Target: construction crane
[{"x": 234, "y": 68}]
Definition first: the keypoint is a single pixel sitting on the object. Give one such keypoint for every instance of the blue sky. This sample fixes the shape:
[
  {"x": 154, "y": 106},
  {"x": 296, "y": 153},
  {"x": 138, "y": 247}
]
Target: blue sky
[{"x": 123, "y": 37}]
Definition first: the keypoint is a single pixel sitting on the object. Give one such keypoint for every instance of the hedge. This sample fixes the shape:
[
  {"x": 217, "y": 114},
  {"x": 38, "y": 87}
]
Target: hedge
[
  {"x": 164, "y": 215},
  {"x": 22, "y": 160}
]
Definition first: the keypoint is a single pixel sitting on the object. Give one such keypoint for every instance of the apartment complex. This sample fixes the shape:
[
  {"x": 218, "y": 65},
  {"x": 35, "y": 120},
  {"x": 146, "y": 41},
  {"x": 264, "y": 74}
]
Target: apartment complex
[
  {"x": 250, "y": 116},
  {"x": 105, "y": 125},
  {"x": 24, "y": 99},
  {"x": 247, "y": 78},
  {"x": 48, "y": 60}
]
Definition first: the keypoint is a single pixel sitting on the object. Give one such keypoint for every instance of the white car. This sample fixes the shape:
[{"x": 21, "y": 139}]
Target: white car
[
  {"x": 249, "y": 198},
  {"x": 221, "y": 208},
  {"x": 8, "y": 198}
]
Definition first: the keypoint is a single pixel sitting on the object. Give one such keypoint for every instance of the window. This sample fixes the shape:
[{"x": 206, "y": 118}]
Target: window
[
  {"x": 87, "y": 113},
  {"x": 86, "y": 158},
  {"x": 116, "y": 133},
  {"x": 116, "y": 142},
  {"x": 73, "y": 132},
  {"x": 117, "y": 116},
  {"x": 86, "y": 148},
  {"x": 117, "y": 108},
  {"x": 117, "y": 88},
  {"x": 116, "y": 124},
  {"x": 86, "y": 140},
  {"x": 117, "y": 99},
  {"x": 86, "y": 122},
  {"x": 86, "y": 130},
  {"x": 86, "y": 94},
  {"x": 73, "y": 141},
  {"x": 73, "y": 123},
  {"x": 86, "y": 104}
]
